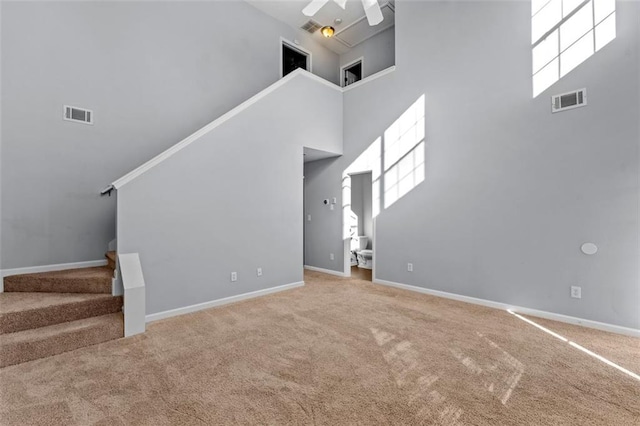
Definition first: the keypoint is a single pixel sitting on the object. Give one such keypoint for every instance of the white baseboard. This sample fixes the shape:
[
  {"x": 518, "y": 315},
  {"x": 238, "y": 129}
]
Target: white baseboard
[
  {"x": 517, "y": 309},
  {"x": 325, "y": 271},
  {"x": 219, "y": 302},
  {"x": 48, "y": 268}
]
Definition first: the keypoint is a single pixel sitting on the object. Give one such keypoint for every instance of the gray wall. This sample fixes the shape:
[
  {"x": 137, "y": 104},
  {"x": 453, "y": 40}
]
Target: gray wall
[
  {"x": 511, "y": 190},
  {"x": 378, "y": 53},
  {"x": 230, "y": 201},
  {"x": 152, "y": 72}
]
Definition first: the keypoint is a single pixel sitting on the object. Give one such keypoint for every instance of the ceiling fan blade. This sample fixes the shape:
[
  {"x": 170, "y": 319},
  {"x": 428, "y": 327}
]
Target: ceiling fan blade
[
  {"x": 373, "y": 12},
  {"x": 313, "y": 7},
  {"x": 341, "y": 3}
]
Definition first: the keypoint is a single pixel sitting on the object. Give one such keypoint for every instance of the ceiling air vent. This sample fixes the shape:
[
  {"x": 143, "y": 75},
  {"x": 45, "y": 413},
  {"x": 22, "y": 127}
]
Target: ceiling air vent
[
  {"x": 79, "y": 115},
  {"x": 311, "y": 26},
  {"x": 570, "y": 100}
]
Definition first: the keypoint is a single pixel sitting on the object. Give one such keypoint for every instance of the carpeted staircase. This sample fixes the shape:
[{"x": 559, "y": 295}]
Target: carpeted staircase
[{"x": 49, "y": 313}]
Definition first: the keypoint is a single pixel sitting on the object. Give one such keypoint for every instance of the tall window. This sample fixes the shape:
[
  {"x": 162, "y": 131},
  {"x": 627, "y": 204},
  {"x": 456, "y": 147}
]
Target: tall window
[
  {"x": 404, "y": 153},
  {"x": 566, "y": 32}
]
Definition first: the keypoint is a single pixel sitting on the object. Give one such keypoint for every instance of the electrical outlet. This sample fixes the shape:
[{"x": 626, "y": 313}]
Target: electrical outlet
[
  {"x": 308, "y": 218},
  {"x": 259, "y": 272},
  {"x": 234, "y": 276},
  {"x": 331, "y": 256},
  {"x": 410, "y": 267},
  {"x": 576, "y": 292},
  {"x": 331, "y": 207}
]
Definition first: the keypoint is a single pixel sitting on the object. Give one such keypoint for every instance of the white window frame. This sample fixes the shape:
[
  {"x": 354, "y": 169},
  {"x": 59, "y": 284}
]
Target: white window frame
[
  {"x": 557, "y": 27},
  {"x": 344, "y": 67},
  {"x": 294, "y": 46}
]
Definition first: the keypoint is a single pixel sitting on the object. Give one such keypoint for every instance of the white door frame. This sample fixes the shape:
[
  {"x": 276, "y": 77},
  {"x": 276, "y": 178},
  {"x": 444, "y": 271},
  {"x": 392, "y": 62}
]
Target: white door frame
[
  {"x": 347, "y": 242},
  {"x": 349, "y": 65},
  {"x": 294, "y": 46}
]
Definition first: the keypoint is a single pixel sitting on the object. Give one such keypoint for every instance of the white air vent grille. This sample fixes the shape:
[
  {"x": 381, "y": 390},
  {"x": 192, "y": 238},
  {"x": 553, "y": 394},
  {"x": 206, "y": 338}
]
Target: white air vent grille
[
  {"x": 78, "y": 115},
  {"x": 570, "y": 100},
  {"x": 311, "y": 26}
]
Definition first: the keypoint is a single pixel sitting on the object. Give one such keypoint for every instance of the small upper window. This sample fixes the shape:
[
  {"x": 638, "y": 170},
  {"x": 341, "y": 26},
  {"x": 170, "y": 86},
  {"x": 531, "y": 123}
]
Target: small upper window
[
  {"x": 294, "y": 57},
  {"x": 564, "y": 33}
]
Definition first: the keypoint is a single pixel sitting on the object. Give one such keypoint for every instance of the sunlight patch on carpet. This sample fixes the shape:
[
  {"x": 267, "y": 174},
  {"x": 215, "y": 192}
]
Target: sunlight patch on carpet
[
  {"x": 577, "y": 346},
  {"x": 404, "y": 361}
]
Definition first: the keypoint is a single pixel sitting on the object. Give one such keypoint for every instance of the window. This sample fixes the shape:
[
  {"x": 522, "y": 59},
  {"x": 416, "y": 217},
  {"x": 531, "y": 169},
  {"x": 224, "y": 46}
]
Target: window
[
  {"x": 566, "y": 32},
  {"x": 351, "y": 73},
  {"x": 293, "y": 57},
  {"x": 404, "y": 153}
]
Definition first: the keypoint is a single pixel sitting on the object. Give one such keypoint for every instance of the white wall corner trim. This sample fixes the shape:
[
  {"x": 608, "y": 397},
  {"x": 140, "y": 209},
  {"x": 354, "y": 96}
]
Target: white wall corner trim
[
  {"x": 517, "y": 309},
  {"x": 325, "y": 271},
  {"x": 219, "y": 302},
  {"x": 134, "y": 294}
]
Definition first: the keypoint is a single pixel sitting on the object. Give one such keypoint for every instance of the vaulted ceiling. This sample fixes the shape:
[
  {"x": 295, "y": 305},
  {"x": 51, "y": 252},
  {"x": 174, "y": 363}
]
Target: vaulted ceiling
[{"x": 352, "y": 30}]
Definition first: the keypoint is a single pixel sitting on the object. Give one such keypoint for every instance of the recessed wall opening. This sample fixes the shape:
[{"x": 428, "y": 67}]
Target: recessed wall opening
[
  {"x": 351, "y": 73},
  {"x": 361, "y": 226},
  {"x": 293, "y": 57}
]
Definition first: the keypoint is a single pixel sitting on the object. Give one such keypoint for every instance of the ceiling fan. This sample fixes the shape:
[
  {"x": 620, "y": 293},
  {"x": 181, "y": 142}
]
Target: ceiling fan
[{"x": 371, "y": 9}]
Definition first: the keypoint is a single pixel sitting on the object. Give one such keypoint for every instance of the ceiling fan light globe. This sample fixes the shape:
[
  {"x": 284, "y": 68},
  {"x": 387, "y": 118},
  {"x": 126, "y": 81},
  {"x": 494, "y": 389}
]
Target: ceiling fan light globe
[{"x": 327, "y": 31}]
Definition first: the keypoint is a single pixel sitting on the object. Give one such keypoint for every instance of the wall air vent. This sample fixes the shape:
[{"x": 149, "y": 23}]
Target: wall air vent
[
  {"x": 570, "y": 100},
  {"x": 78, "y": 115},
  {"x": 311, "y": 26}
]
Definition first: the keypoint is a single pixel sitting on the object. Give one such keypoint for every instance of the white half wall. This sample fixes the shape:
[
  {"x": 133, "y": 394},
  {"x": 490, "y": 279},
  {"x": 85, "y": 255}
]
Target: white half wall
[
  {"x": 231, "y": 201},
  {"x": 134, "y": 293}
]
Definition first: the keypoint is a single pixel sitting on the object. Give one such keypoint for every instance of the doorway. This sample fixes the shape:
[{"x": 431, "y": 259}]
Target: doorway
[
  {"x": 361, "y": 226},
  {"x": 351, "y": 73},
  {"x": 293, "y": 57}
]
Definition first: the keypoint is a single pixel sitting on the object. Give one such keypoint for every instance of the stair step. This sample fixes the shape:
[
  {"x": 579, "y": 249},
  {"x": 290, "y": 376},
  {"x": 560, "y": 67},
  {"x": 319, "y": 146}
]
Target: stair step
[
  {"x": 29, "y": 345},
  {"x": 23, "y": 311},
  {"x": 111, "y": 259},
  {"x": 84, "y": 280}
]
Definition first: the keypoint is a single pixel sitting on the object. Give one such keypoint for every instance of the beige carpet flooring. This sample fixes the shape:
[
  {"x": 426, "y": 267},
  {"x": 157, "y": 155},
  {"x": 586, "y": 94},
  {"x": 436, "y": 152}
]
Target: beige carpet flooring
[
  {"x": 334, "y": 352},
  {"x": 82, "y": 280},
  {"x": 23, "y": 311}
]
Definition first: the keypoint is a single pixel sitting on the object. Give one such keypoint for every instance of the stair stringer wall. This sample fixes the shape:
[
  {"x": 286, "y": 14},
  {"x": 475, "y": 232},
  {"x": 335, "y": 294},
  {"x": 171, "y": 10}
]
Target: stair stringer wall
[{"x": 231, "y": 201}]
